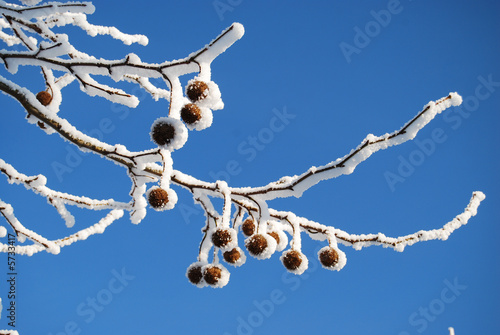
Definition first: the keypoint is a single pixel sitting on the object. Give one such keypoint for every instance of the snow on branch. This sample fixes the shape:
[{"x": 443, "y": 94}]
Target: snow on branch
[
  {"x": 55, "y": 198},
  {"x": 41, "y": 243},
  {"x": 31, "y": 12},
  {"x": 245, "y": 214},
  {"x": 318, "y": 231},
  {"x": 296, "y": 185}
]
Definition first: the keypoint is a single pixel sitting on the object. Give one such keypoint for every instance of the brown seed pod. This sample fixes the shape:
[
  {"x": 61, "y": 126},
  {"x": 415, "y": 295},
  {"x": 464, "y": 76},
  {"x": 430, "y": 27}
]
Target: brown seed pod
[
  {"x": 248, "y": 227},
  {"x": 292, "y": 260},
  {"x": 158, "y": 198},
  {"x": 276, "y": 236},
  {"x": 190, "y": 113},
  {"x": 232, "y": 256},
  {"x": 197, "y": 90},
  {"x": 195, "y": 275},
  {"x": 329, "y": 257},
  {"x": 221, "y": 238},
  {"x": 256, "y": 244},
  {"x": 44, "y": 97},
  {"x": 163, "y": 133},
  {"x": 212, "y": 275}
]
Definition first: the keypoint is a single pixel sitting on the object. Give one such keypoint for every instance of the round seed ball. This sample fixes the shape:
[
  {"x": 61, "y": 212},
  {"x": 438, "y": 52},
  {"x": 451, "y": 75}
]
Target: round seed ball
[
  {"x": 248, "y": 227},
  {"x": 329, "y": 257},
  {"x": 212, "y": 275},
  {"x": 197, "y": 90},
  {"x": 292, "y": 260},
  {"x": 195, "y": 275},
  {"x": 221, "y": 237},
  {"x": 232, "y": 256},
  {"x": 158, "y": 198},
  {"x": 162, "y": 133},
  {"x": 190, "y": 113},
  {"x": 256, "y": 244}
]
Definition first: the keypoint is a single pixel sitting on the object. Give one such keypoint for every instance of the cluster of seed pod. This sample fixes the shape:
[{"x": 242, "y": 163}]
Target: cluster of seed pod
[
  {"x": 203, "y": 96},
  {"x": 196, "y": 113},
  {"x": 171, "y": 133},
  {"x": 260, "y": 246}
]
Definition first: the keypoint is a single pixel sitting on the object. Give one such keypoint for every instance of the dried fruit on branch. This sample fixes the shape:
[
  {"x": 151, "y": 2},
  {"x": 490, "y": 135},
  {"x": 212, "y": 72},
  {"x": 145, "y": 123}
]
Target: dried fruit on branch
[
  {"x": 248, "y": 227},
  {"x": 197, "y": 90},
  {"x": 294, "y": 261}
]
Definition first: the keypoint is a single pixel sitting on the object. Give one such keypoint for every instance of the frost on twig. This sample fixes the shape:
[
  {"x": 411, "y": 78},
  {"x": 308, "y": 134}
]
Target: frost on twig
[{"x": 246, "y": 220}]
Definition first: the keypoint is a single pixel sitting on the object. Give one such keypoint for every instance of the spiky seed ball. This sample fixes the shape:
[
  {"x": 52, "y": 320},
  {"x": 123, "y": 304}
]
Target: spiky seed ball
[
  {"x": 221, "y": 238},
  {"x": 212, "y": 274},
  {"x": 292, "y": 260},
  {"x": 197, "y": 90},
  {"x": 158, "y": 198},
  {"x": 169, "y": 133},
  {"x": 190, "y": 113},
  {"x": 232, "y": 256},
  {"x": 329, "y": 257},
  {"x": 276, "y": 236},
  {"x": 195, "y": 275},
  {"x": 248, "y": 227},
  {"x": 44, "y": 97},
  {"x": 256, "y": 244},
  {"x": 163, "y": 133}
]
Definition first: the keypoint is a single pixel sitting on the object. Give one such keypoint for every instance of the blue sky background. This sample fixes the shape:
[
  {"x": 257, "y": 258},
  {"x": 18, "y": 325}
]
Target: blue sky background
[{"x": 289, "y": 59}]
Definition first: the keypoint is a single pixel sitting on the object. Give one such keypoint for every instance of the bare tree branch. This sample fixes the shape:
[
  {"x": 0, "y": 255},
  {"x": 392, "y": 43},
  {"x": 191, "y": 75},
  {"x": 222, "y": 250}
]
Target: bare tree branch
[{"x": 152, "y": 172}]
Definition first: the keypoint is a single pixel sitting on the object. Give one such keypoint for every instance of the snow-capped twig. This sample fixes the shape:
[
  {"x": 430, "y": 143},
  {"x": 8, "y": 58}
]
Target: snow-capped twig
[
  {"x": 52, "y": 246},
  {"x": 296, "y": 185},
  {"x": 37, "y": 185},
  {"x": 319, "y": 231},
  {"x": 8, "y": 213},
  {"x": 124, "y": 69},
  {"x": 30, "y": 12}
]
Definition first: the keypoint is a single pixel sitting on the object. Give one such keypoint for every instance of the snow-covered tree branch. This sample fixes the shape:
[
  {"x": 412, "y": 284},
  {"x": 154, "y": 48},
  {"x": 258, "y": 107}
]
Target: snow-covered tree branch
[{"x": 245, "y": 213}]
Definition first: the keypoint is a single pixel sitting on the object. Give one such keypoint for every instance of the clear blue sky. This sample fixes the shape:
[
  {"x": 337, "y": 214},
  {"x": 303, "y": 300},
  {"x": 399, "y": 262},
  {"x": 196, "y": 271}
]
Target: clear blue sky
[{"x": 290, "y": 58}]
